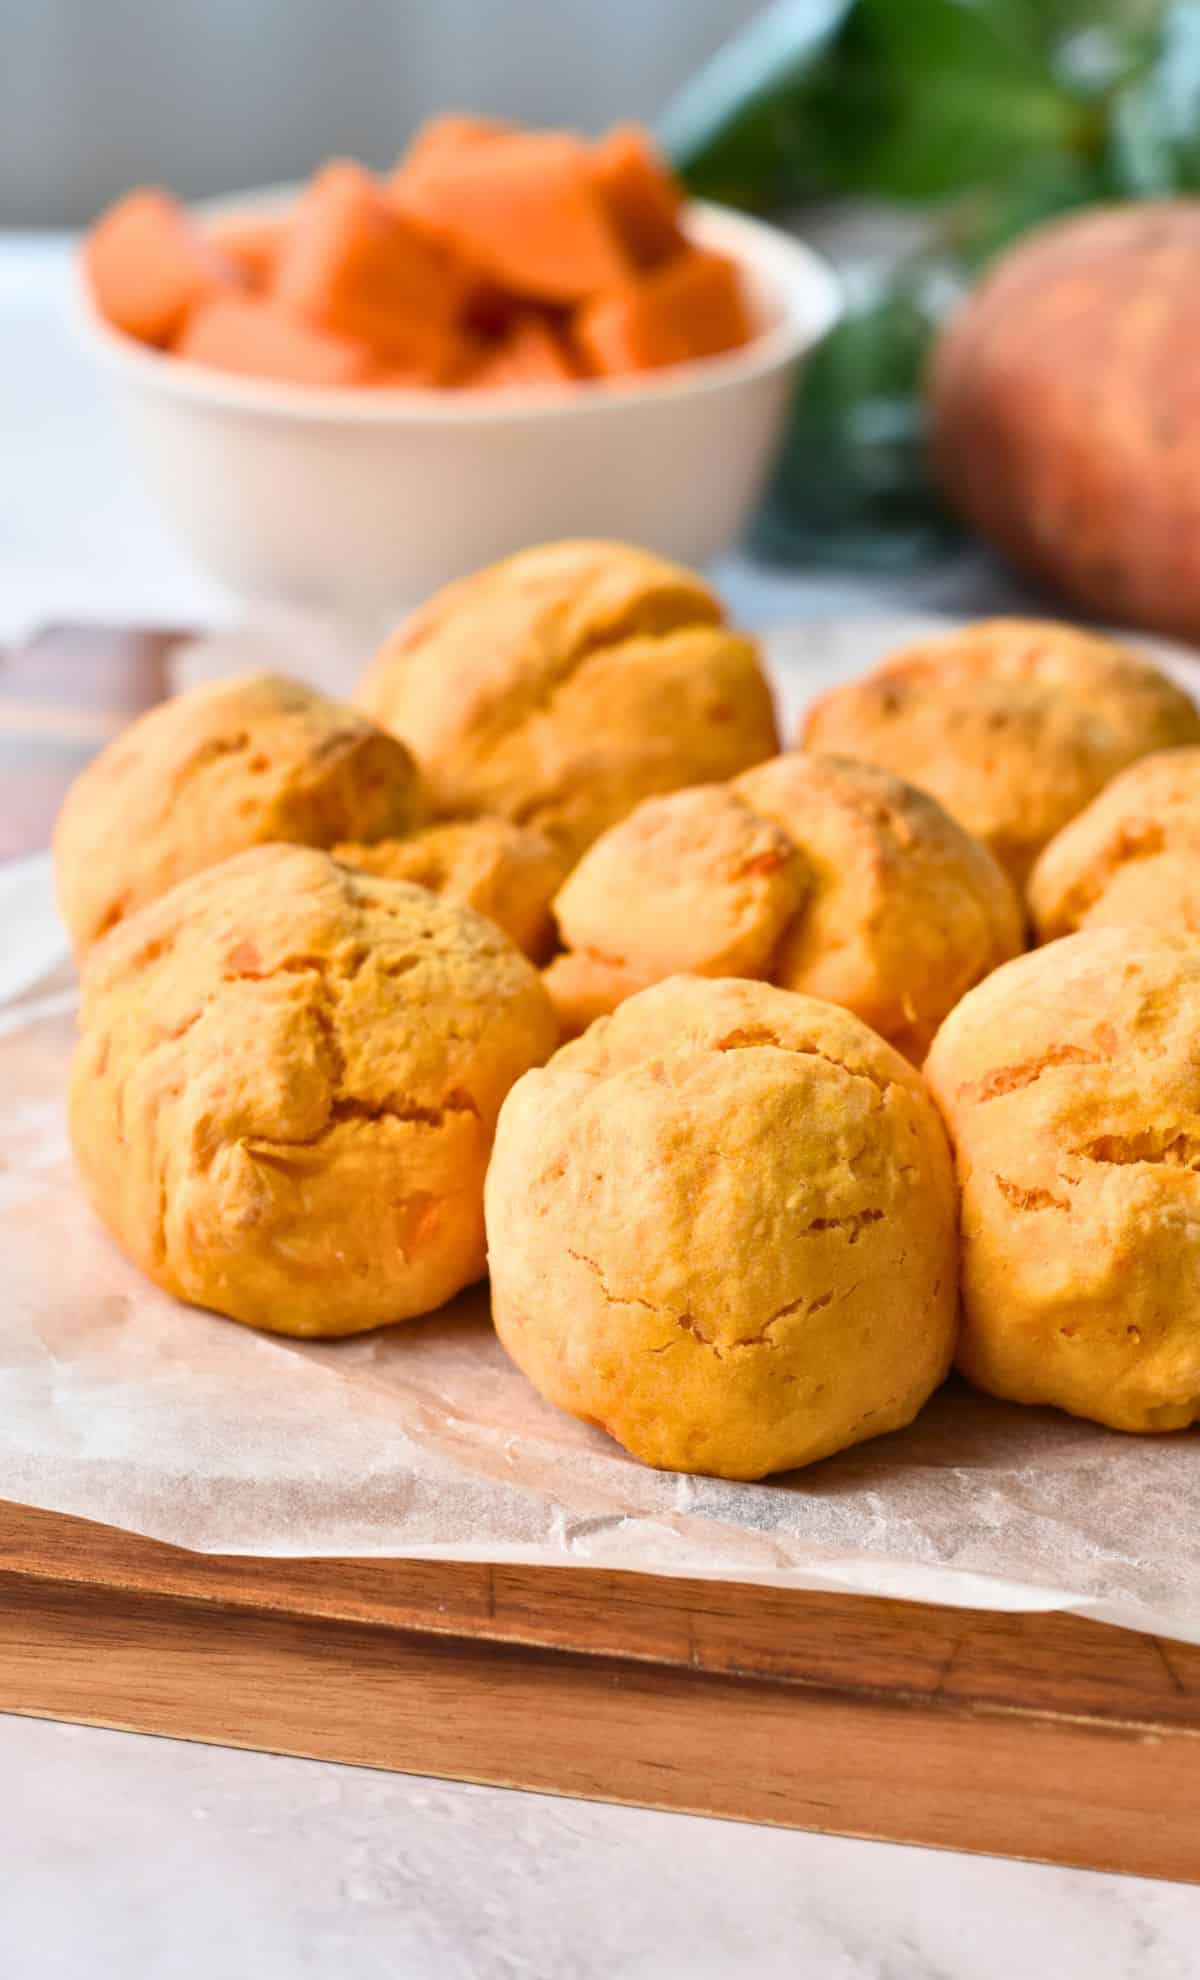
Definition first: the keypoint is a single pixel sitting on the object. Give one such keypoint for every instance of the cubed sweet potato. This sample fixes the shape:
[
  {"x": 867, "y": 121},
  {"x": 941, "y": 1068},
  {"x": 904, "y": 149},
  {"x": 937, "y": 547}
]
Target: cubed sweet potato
[
  {"x": 491, "y": 258},
  {"x": 356, "y": 266},
  {"x": 254, "y": 336},
  {"x": 252, "y": 244},
  {"x": 445, "y": 137},
  {"x": 488, "y": 306},
  {"x": 532, "y": 351},
  {"x": 692, "y": 307},
  {"x": 526, "y": 211},
  {"x": 458, "y": 355},
  {"x": 147, "y": 264},
  {"x": 640, "y": 194}
]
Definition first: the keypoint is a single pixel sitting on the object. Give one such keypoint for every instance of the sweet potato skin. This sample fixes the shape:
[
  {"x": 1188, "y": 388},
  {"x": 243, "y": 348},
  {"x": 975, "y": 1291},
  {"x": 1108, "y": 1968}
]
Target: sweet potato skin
[{"x": 1065, "y": 417}]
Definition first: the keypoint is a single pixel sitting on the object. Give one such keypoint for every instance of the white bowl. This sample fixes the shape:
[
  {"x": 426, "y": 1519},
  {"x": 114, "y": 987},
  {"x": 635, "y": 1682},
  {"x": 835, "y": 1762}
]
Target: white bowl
[{"x": 360, "y": 502}]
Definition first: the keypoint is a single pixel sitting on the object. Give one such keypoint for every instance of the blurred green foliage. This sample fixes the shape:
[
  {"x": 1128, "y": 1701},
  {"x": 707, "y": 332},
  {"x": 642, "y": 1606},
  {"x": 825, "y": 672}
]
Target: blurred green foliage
[{"x": 987, "y": 115}]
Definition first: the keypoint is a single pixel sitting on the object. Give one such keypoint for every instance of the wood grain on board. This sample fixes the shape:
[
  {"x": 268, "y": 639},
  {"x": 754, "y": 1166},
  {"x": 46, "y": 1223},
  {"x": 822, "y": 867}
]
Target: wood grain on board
[{"x": 1042, "y": 1736}]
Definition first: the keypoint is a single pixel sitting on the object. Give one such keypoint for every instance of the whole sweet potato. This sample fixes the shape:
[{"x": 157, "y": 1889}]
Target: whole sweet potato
[{"x": 1065, "y": 400}]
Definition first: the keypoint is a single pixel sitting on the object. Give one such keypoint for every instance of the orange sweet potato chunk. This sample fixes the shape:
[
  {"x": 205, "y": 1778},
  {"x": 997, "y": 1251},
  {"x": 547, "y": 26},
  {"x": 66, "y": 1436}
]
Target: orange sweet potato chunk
[
  {"x": 524, "y": 209},
  {"x": 252, "y": 244},
  {"x": 532, "y": 351},
  {"x": 488, "y": 307},
  {"x": 458, "y": 356},
  {"x": 445, "y": 137},
  {"x": 253, "y": 336},
  {"x": 640, "y": 194},
  {"x": 354, "y": 265},
  {"x": 692, "y": 307},
  {"x": 147, "y": 265}
]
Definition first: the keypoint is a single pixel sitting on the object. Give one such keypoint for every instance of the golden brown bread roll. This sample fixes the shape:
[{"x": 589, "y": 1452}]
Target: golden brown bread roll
[
  {"x": 821, "y": 874},
  {"x": 232, "y": 764},
  {"x": 1014, "y": 724},
  {"x": 1132, "y": 858},
  {"x": 508, "y": 872},
  {"x": 288, "y": 1075},
  {"x": 721, "y": 1226},
  {"x": 1070, "y": 1083},
  {"x": 562, "y": 685}
]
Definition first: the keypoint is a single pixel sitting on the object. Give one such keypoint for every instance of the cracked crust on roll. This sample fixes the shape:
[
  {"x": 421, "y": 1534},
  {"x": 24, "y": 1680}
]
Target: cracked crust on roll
[
  {"x": 710, "y": 1121},
  {"x": 233, "y": 764},
  {"x": 283, "y": 1099},
  {"x": 815, "y": 873},
  {"x": 1071, "y": 1087},
  {"x": 508, "y": 872},
  {"x": 1014, "y": 724},
  {"x": 562, "y": 685},
  {"x": 1132, "y": 859}
]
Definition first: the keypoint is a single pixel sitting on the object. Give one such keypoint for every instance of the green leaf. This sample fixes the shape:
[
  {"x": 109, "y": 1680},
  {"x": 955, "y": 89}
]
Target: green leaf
[
  {"x": 981, "y": 223},
  {"x": 737, "y": 131},
  {"x": 851, "y": 484},
  {"x": 1087, "y": 45},
  {"x": 908, "y": 99},
  {"x": 933, "y": 96}
]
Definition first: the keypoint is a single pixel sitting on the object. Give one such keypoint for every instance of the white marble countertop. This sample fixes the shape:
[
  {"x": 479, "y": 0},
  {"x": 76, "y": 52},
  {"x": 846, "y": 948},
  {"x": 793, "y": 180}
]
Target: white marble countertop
[
  {"x": 141, "y": 1859},
  {"x": 127, "y": 1858}
]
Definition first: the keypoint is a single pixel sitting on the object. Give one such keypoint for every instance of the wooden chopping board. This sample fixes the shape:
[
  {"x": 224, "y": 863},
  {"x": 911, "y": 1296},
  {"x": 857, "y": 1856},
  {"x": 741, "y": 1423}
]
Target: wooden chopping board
[{"x": 1042, "y": 1736}]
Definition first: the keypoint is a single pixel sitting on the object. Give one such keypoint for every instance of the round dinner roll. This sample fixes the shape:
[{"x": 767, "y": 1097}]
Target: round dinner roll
[
  {"x": 508, "y": 872},
  {"x": 1070, "y": 1082},
  {"x": 231, "y": 764},
  {"x": 721, "y": 1226},
  {"x": 283, "y": 1098},
  {"x": 560, "y": 686},
  {"x": 1015, "y": 724},
  {"x": 1131, "y": 858},
  {"x": 821, "y": 874}
]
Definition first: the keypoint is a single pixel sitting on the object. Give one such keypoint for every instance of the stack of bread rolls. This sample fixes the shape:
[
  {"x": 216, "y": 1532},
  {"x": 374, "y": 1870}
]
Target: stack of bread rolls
[{"x": 728, "y": 1063}]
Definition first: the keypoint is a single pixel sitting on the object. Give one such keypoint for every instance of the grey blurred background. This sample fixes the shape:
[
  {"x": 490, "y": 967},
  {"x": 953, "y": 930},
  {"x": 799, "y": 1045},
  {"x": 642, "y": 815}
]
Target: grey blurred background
[{"x": 210, "y": 96}]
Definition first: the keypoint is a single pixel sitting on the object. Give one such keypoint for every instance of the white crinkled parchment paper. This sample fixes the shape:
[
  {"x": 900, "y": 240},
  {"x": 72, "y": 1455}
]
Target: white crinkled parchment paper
[{"x": 118, "y": 1404}]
